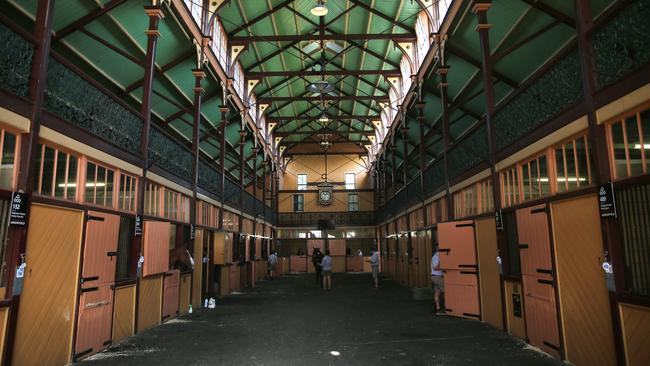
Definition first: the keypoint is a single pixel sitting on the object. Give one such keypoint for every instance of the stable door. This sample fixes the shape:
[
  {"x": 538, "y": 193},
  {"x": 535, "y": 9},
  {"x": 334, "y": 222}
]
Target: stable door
[
  {"x": 457, "y": 250},
  {"x": 94, "y": 321},
  {"x": 537, "y": 278}
]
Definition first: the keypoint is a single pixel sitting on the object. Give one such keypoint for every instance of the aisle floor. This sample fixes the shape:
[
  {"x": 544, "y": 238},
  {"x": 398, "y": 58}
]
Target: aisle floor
[{"x": 291, "y": 322}]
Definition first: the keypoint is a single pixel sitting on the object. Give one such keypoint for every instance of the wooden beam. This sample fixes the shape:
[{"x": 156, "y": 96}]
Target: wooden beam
[
  {"x": 81, "y": 22},
  {"x": 264, "y": 74},
  {"x": 314, "y": 118},
  {"x": 326, "y": 37},
  {"x": 552, "y": 12},
  {"x": 326, "y": 97},
  {"x": 259, "y": 18}
]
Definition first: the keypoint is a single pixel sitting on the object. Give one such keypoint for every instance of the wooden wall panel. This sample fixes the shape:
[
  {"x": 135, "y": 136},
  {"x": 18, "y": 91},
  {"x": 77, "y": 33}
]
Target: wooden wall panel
[
  {"x": 48, "y": 302},
  {"x": 124, "y": 313},
  {"x": 338, "y": 264},
  {"x": 4, "y": 320},
  {"x": 337, "y": 247},
  {"x": 584, "y": 301},
  {"x": 224, "y": 280},
  {"x": 235, "y": 278},
  {"x": 516, "y": 324},
  {"x": 298, "y": 263},
  {"x": 635, "y": 323},
  {"x": 171, "y": 293},
  {"x": 486, "y": 244},
  {"x": 150, "y": 301},
  {"x": 198, "y": 267},
  {"x": 156, "y": 247}
]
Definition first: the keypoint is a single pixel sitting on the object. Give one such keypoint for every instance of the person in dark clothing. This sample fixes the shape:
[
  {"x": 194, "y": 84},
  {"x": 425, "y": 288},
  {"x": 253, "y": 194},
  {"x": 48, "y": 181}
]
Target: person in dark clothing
[{"x": 316, "y": 258}]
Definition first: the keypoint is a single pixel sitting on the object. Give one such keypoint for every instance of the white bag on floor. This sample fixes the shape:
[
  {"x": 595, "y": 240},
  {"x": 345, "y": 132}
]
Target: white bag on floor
[{"x": 212, "y": 304}]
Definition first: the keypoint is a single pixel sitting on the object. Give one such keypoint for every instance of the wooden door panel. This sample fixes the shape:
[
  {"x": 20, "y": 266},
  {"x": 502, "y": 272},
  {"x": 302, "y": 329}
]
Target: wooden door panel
[
  {"x": 457, "y": 244},
  {"x": 156, "y": 247},
  {"x": 461, "y": 294},
  {"x": 537, "y": 278},
  {"x": 491, "y": 305},
  {"x": 47, "y": 306},
  {"x": 100, "y": 247},
  {"x": 541, "y": 315},
  {"x": 534, "y": 240},
  {"x": 95, "y": 320},
  {"x": 171, "y": 293}
]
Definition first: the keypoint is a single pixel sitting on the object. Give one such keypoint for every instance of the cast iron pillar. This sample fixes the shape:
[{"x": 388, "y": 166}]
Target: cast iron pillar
[
  {"x": 446, "y": 141},
  {"x": 199, "y": 75},
  {"x": 222, "y": 156}
]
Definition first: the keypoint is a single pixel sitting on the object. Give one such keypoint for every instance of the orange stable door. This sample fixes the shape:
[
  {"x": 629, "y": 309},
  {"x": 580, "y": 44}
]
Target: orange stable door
[
  {"x": 537, "y": 277},
  {"x": 94, "y": 321},
  {"x": 457, "y": 247}
]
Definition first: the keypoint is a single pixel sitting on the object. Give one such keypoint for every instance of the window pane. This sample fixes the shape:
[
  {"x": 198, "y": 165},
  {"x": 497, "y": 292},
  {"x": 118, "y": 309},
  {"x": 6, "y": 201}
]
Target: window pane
[
  {"x": 619, "y": 151},
  {"x": 534, "y": 179},
  {"x": 545, "y": 185},
  {"x": 583, "y": 167},
  {"x": 559, "y": 166},
  {"x": 645, "y": 126},
  {"x": 525, "y": 170},
  {"x": 90, "y": 183},
  {"x": 109, "y": 188},
  {"x": 8, "y": 158},
  {"x": 72, "y": 178},
  {"x": 349, "y": 181},
  {"x": 48, "y": 171},
  {"x": 634, "y": 145},
  {"x": 571, "y": 166},
  {"x": 60, "y": 174},
  {"x": 100, "y": 184}
]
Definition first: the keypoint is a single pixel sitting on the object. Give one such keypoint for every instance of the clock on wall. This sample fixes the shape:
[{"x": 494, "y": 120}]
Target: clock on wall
[{"x": 325, "y": 194}]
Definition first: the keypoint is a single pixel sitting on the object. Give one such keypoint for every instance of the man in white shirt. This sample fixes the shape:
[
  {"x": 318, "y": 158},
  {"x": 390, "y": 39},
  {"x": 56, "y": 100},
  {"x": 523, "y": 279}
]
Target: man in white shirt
[
  {"x": 273, "y": 262},
  {"x": 374, "y": 264},
  {"x": 438, "y": 283}
]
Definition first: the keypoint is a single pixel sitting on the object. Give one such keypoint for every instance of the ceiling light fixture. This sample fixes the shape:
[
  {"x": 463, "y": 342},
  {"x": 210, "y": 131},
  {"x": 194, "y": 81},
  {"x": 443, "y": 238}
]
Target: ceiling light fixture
[
  {"x": 323, "y": 118},
  {"x": 321, "y": 87},
  {"x": 319, "y": 10}
]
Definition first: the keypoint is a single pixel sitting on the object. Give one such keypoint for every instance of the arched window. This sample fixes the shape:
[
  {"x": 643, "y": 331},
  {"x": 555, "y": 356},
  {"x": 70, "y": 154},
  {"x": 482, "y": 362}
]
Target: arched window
[
  {"x": 405, "y": 68},
  {"x": 422, "y": 35}
]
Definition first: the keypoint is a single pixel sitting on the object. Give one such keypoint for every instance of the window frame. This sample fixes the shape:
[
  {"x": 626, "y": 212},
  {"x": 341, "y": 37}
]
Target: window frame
[
  {"x": 354, "y": 181},
  {"x": 353, "y": 206},
  {"x": 299, "y": 201},
  {"x": 301, "y": 186}
]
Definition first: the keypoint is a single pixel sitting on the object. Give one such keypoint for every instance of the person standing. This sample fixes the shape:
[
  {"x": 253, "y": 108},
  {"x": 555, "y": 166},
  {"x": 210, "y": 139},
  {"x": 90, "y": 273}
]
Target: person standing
[
  {"x": 273, "y": 262},
  {"x": 316, "y": 258},
  {"x": 438, "y": 283},
  {"x": 326, "y": 263},
  {"x": 374, "y": 264}
]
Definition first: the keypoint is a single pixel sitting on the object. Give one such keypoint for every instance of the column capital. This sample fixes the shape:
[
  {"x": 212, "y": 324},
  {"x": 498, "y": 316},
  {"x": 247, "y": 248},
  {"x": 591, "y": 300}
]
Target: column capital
[
  {"x": 224, "y": 109},
  {"x": 154, "y": 11},
  {"x": 198, "y": 73},
  {"x": 481, "y": 6}
]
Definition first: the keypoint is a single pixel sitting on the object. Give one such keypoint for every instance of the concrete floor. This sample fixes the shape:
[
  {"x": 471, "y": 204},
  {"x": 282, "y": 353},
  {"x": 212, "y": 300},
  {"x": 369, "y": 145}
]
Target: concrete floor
[{"x": 290, "y": 322}]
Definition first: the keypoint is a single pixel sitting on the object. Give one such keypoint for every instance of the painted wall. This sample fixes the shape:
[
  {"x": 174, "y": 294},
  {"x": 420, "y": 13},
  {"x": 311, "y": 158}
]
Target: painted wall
[{"x": 337, "y": 166}]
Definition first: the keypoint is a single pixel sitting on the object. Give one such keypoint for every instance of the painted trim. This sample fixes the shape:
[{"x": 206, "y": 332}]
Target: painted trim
[
  {"x": 14, "y": 120},
  {"x": 623, "y": 104},
  {"x": 207, "y": 199},
  {"x": 551, "y": 139},
  {"x": 475, "y": 178},
  {"x": 89, "y": 151},
  {"x": 168, "y": 183}
]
